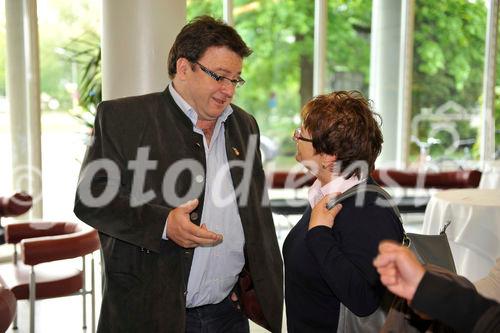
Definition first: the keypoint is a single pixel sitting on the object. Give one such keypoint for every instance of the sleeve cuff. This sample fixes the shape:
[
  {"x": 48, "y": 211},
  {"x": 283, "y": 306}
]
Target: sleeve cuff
[
  {"x": 423, "y": 292},
  {"x": 444, "y": 299}
]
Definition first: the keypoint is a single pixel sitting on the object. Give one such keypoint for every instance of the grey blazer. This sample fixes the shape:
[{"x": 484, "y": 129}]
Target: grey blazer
[{"x": 146, "y": 276}]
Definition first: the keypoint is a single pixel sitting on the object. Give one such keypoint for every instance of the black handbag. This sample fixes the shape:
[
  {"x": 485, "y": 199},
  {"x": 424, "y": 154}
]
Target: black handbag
[{"x": 429, "y": 249}]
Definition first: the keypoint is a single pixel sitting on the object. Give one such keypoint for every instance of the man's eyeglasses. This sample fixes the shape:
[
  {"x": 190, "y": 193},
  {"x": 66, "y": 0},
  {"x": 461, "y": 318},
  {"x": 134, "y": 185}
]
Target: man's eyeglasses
[
  {"x": 297, "y": 135},
  {"x": 219, "y": 78}
]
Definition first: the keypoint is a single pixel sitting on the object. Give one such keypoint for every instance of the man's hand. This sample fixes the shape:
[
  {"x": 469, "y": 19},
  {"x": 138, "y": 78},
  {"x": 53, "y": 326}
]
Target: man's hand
[
  {"x": 320, "y": 215},
  {"x": 185, "y": 233},
  {"x": 399, "y": 269}
]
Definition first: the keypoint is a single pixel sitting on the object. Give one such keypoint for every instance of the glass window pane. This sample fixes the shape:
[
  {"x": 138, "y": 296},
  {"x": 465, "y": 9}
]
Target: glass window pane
[
  {"x": 448, "y": 65},
  {"x": 5, "y": 149},
  {"x": 65, "y": 28},
  {"x": 348, "y": 45},
  {"x": 279, "y": 72}
]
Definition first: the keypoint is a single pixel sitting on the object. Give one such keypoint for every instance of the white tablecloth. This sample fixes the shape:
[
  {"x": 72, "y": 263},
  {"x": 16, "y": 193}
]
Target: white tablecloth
[
  {"x": 490, "y": 178},
  {"x": 474, "y": 232}
]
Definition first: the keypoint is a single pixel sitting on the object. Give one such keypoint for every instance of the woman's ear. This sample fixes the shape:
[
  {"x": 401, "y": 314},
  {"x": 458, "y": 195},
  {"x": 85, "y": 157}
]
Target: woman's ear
[{"x": 327, "y": 161}]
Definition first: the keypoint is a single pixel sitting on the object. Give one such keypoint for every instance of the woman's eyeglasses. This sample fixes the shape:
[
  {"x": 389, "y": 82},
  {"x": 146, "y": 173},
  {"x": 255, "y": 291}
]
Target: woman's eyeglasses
[{"x": 297, "y": 135}]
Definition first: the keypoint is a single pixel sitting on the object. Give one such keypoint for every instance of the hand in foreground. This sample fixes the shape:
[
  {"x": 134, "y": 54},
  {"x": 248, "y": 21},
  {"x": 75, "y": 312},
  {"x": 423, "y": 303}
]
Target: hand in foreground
[
  {"x": 322, "y": 216},
  {"x": 185, "y": 233},
  {"x": 399, "y": 269}
]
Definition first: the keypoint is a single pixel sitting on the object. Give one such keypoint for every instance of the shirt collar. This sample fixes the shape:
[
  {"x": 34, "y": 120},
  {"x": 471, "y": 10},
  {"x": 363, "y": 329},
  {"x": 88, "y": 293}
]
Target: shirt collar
[
  {"x": 188, "y": 109},
  {"x": 339, "y": 184}
]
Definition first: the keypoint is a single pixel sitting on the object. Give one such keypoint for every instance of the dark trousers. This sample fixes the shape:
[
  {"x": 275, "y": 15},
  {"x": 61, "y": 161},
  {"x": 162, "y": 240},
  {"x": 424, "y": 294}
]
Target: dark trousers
[{"x": 216, "y": 318}]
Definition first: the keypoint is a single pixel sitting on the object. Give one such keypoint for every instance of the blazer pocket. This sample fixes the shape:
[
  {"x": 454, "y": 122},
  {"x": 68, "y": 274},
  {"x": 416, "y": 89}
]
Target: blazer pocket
[{"x": 123, "y": 282}]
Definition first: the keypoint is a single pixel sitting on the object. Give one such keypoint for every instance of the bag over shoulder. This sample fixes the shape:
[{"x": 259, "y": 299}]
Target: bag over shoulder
[{"x": 429, "y": 249}]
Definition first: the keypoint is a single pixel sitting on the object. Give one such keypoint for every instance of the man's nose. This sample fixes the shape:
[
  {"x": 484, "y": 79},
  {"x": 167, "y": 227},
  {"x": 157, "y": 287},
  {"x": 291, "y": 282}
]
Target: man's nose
[{"x": 228, "y": 88}]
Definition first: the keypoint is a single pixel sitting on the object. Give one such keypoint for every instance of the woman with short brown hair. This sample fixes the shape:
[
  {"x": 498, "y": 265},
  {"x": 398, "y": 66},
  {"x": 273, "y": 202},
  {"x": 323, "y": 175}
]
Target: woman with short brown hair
[{"x": 328, "y": 257}]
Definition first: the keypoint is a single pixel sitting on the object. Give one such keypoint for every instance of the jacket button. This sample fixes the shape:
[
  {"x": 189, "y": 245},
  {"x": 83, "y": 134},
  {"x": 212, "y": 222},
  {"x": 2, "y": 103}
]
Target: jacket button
[
  {"x": 199, "y": 179},
  {"x": 193, "y": 216}
]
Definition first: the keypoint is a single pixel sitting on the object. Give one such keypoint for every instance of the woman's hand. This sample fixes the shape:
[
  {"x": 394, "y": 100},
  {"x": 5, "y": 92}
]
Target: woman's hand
[{"x": 321, "y": 215}]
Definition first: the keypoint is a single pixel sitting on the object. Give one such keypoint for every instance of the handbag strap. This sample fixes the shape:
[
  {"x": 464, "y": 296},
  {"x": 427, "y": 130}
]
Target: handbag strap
[{"x": 363, "y": 188}]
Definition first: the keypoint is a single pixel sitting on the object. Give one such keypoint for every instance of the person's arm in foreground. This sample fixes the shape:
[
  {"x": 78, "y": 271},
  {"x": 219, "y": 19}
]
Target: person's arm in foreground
[{"x": 461, "y": 308}]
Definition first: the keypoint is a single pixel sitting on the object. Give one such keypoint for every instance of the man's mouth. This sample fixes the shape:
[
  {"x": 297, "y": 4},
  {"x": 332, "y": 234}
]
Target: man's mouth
[{"x": 219, "y": 101}]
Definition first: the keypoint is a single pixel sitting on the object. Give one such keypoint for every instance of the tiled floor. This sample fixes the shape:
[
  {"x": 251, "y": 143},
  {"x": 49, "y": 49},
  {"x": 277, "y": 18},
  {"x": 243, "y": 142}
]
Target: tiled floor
[
  {"x": 64, "y": 315},
  {"x": 60, "y": 315}
]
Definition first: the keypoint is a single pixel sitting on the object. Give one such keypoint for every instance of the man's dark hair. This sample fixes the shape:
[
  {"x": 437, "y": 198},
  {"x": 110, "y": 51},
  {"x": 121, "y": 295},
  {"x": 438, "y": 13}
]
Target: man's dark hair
[{"x": 200, "y": 34}]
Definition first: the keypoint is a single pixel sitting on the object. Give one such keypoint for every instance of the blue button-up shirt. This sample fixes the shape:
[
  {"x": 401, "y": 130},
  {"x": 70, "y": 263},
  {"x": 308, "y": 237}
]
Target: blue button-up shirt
[{"x": 215, "y": 269}]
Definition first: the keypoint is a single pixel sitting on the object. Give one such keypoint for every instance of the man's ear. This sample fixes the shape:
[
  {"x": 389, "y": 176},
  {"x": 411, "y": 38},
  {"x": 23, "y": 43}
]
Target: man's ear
[{"x": 182, "y": 66}]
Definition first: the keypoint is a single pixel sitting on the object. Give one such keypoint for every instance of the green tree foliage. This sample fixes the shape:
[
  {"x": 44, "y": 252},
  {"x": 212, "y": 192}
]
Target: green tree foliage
[
  {"x": 449, "y": 49},
  {"x": 203, "y": 7},
  {"x": 281, "y": 35},
  {"x": 349, "y": 26},
  {"x": 449, "y": 52}
]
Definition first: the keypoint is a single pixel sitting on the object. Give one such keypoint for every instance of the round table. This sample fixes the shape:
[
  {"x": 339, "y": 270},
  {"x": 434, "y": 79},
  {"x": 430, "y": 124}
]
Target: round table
[
  {"x": 490, "y": 178},
  {"x": 474, "y": 232}
]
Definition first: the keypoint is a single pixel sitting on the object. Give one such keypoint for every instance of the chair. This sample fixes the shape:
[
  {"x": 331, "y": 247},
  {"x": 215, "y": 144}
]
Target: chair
[
  {"x": 14, "y": 205},
  {"x": 7, "y": 308},
  {"x": 388, "y": 178},
  {"x": 39, "y": 273},
  {"x": 391, "y": 178}
]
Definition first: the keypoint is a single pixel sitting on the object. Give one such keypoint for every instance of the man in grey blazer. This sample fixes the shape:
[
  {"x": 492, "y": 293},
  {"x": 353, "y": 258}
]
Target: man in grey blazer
[{"x": 174, "y": 183}]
